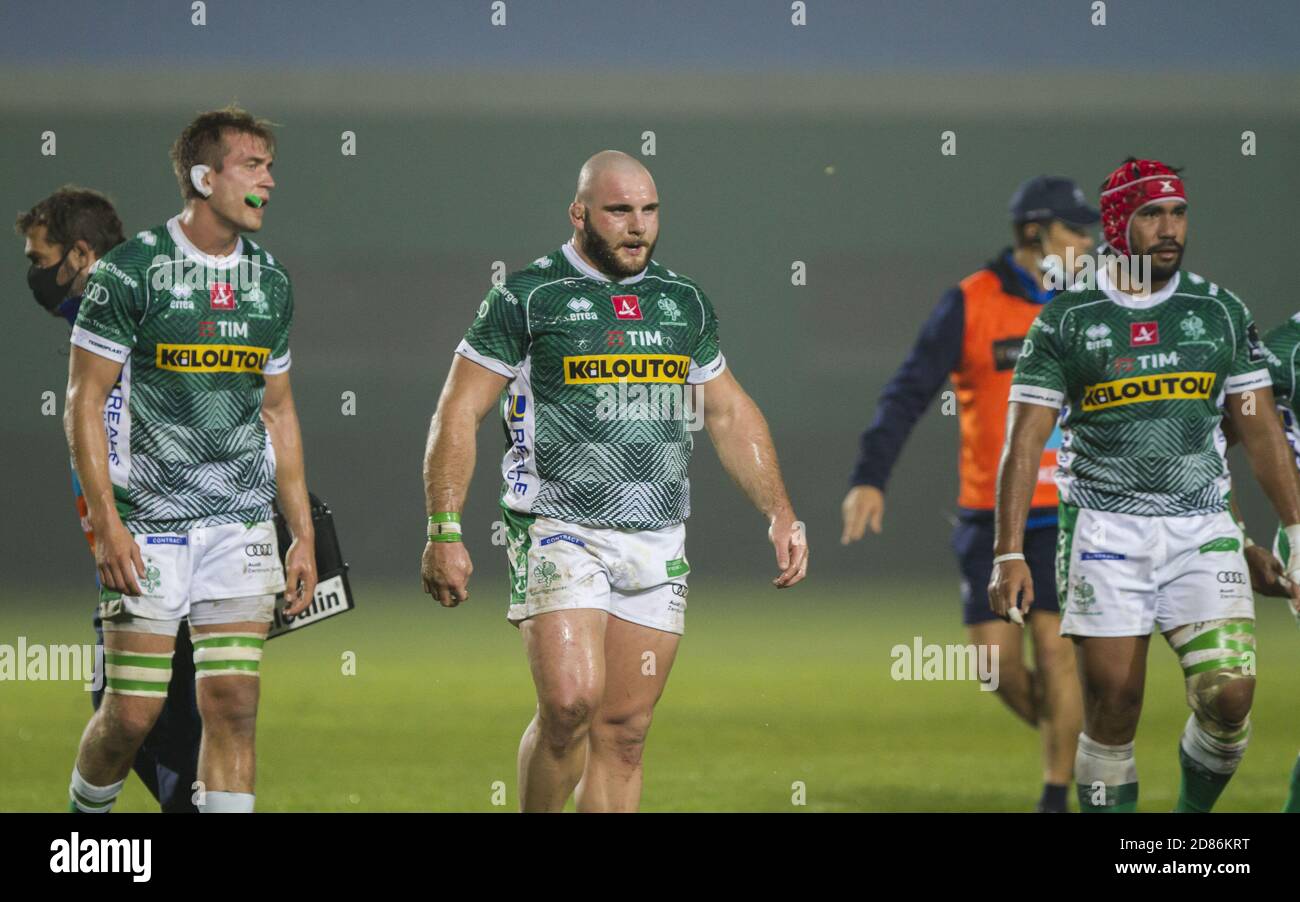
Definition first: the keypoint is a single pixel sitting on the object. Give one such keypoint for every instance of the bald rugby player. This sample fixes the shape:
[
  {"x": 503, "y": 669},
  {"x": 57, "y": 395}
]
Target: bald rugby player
[{"x": 591, "y": 355}]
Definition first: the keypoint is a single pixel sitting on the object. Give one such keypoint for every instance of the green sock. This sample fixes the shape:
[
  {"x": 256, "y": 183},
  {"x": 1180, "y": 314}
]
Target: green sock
[
  {"x": 1199, "y": 788},
  {"x": 1293, "y": 800},
  {"x": 1207, "y": 763},
  {"x": 1094, "y": 801}
]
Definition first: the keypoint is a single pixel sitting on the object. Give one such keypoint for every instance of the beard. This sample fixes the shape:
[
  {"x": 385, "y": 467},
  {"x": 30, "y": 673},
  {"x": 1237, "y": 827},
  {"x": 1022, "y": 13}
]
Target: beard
[
  {"x": 604, "y": 254},
  {"x": 1165, "y": 273}
]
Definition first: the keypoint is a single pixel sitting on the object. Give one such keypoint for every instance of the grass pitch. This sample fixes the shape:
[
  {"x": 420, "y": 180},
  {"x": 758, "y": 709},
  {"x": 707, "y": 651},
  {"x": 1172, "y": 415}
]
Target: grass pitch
[{"x": 769, "y": 689}]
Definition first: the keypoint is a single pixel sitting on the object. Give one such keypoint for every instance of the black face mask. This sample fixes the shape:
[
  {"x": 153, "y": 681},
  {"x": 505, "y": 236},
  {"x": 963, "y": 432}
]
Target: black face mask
[{"x": 44, "y": 283}]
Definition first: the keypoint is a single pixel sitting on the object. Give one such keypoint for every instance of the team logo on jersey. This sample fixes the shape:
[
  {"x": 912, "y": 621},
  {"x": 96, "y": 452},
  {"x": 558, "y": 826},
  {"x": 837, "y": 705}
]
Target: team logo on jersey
[
  {"x": 221, "y": 296},
  {"x": 543, "y": 262},
  {"x": 591, "y": 369},
  {"x": 256, "y": 298},
  {"x": 211, "y": 358},
  {"x": 1140, "y": 334},
  {"x": 1192, "y": 326},
  {"x": 673, "y": 313},
  {"x": 1098, "y": 335},
  {"x": 626, "y": 306},
  {"x": 1140, "y": 389}
]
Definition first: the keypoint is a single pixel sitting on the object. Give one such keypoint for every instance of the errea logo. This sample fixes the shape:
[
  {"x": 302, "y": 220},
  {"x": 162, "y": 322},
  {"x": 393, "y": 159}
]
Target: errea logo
[
  {"x": 581, "y": 308},
  {"x": 1098, "y": 335}
]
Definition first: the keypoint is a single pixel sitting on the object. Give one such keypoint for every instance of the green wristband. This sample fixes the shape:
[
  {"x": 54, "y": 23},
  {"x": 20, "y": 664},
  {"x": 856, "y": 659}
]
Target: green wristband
[{"x": 444, "y": 527}]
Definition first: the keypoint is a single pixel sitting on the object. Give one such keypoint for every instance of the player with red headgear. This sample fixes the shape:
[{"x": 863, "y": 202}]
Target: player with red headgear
[{"x": 1143, "y": 376}]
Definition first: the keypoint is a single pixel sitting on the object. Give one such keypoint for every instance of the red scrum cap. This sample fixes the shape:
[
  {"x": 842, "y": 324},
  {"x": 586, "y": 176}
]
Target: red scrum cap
[{"x": 1132, "y": 186}]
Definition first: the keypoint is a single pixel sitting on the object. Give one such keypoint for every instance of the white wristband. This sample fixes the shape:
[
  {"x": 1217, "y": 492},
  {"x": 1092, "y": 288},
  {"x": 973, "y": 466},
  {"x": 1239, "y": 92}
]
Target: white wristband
[{"x": 1013, "y": 556}]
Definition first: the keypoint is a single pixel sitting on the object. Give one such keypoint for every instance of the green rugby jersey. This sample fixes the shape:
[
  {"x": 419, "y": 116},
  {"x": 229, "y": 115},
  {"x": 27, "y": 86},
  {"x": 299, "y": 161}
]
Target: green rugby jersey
[
  {"x": 195, "y": 335},
  {"x": 596, "y": 425},
  {"x": 1140, "y": 383},
  {"x": 1283, "y": 347}
]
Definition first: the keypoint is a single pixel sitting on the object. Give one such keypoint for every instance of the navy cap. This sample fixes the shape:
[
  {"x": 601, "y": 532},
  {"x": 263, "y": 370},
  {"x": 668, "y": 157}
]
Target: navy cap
[{"x": 1052, "y": 197}]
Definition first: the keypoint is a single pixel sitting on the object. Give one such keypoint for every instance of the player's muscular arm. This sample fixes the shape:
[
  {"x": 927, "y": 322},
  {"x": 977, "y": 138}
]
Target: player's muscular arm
[
  {"x": 744, "y": 444},
  {"x": 1029, "y": 426},
  {"x": 1273, "y": 464},
  {"x": 281, "y": 419},
  {"x": 90, "y": 379},
  {"x": 470, "y": 393}
]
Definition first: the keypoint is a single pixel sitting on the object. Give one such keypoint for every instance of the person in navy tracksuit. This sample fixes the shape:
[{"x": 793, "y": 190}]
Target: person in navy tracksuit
[{"x": 64, "y": 236}]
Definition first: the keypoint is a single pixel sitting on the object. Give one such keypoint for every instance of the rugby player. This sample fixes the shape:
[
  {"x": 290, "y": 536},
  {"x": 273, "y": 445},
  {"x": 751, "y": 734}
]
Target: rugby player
[
  {"x": 64, "y": 235},
  {"x": 973, "y": 339},
  {"x": 182, "y": 426},
  {"x": 1141, "y": 376},
  {"x": 1283, "y": 345},
  {"x": 596, "y": 489}
]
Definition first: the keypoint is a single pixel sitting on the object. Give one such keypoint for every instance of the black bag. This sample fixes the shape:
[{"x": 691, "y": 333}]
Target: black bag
[{"x": 333, "y": 593}]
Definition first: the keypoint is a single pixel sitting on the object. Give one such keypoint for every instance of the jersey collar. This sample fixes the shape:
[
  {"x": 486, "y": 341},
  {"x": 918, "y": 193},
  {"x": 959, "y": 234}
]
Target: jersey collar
[
  {"x": 582, "y": 266},
  {"x": 188, "y": 249},
  {"x": 1136, "y": 302}
]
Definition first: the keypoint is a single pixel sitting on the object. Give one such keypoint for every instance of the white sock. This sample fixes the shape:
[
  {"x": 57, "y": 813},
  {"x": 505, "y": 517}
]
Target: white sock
[
  {"x": 227, "y": 803},
  {"x": 90, "y": 799},
  {"x": 1106, "y": 775},
  {"x": 1211, "y": 753}
]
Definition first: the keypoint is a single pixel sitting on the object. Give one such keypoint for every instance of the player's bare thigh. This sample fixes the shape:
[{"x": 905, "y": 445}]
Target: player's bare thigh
[
  {"x": 228, "y": 695},
  {"x": 1113, "y": 672},
  {"x": 638, "y": 660},
  {"x": 133, "y": 713},
  {"x": 566, "y": 654}
]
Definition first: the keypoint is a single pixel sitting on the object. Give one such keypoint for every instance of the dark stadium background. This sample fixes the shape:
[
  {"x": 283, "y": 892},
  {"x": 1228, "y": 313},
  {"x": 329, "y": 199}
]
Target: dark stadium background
[{"x": 775, "y": 143}]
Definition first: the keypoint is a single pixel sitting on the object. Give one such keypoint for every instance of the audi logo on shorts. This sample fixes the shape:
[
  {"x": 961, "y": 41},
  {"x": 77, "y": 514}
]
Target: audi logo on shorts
[
  {"x": 258, "y": 549},
  {"x": 1232, "y": 576}
]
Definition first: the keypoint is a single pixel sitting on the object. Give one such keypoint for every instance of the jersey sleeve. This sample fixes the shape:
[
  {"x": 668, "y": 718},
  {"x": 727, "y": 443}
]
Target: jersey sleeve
[
  {"x": 707, "y": 361},
  {"x": 1249, "y": 368},
  {"x": 498, "y": 337},
  {"x": 1040, "y": 372},
  {"x": 111, "y": 309},
  {"x": 280, "y": 359},
  {"x": 1280, "y": 346}
]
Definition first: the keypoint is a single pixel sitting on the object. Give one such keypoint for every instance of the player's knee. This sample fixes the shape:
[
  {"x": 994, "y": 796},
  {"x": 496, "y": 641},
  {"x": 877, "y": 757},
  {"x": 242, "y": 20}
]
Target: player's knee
[
  {"x": 565, "y": 720},
  {"x": 1112, "y": 711},
  {"x": 1221, "y": 700},
  {"x": 1056, "y": 659},
  {"x": 624, "y": 734},
  {"x": 126, "y": 721},
  {"x": 229, "y": 705}
]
